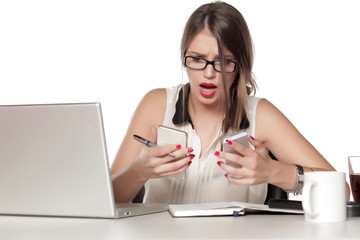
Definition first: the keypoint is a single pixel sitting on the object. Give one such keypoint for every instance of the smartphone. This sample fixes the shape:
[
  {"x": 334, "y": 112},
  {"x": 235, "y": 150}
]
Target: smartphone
[
  {"x": 240, "y": 137},
  {"x": 167, "y": 135}
]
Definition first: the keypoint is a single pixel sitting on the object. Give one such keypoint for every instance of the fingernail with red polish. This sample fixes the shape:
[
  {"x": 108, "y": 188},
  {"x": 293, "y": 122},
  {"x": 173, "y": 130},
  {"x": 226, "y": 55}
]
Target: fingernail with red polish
[
  {"x": 219, "y": 163},
  {"x": 229, "y": 142},
  {"x": 217, "y": 153},
  {"x": 189, "y": 163},
  {"x": 191, "y": 156},
  {"x": 178, "y": 146},
  {"x": 190, "y": 150},
  {"x": 252, "y": 138},
  {"x": 226, "y": 175}
]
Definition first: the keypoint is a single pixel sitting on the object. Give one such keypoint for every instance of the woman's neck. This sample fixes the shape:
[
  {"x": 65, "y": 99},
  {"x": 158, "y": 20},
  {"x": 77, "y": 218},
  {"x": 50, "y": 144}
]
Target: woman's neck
[
  {"x": 207, "y": 120},
  {"x": 199, "y": 110}
]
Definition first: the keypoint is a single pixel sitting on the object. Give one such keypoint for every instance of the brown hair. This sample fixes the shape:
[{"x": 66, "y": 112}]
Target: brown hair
[{"x": 231, "y": 32}]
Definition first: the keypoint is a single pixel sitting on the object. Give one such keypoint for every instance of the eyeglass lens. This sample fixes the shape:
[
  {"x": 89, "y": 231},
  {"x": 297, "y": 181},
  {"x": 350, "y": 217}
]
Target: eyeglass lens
[{"x": 200, "y": 63}]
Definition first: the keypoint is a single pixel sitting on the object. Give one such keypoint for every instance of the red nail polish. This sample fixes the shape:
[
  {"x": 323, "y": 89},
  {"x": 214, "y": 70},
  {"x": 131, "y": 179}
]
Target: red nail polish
[
  {"x": 229, "y": 142},
  {"x": 178, "y": 146},
  {"x": 219, "y": 163},
  {"x": 217, "y": 153},
  {"x": 226, "y": 175},
  {"x": 190, "y": 150},
  {"x": 191, "y": 156},
  {"x": 189, "y": 163},
  {"x": 252, "y": 138}
]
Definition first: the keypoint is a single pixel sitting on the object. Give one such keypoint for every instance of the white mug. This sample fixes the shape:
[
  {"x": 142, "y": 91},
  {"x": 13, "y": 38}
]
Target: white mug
[{"x": 324, "y": 196}]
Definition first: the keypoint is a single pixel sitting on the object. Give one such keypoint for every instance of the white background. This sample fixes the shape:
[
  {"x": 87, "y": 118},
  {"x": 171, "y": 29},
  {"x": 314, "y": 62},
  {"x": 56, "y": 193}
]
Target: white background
[{"x": 113, "y": 52}]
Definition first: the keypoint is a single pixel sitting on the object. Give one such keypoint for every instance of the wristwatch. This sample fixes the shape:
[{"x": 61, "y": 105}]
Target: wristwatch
[{"x": 299, "y": 181}]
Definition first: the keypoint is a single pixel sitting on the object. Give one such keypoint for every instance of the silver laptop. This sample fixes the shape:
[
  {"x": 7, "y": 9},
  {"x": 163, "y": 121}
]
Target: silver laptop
[{"x": 53, "y": 162}]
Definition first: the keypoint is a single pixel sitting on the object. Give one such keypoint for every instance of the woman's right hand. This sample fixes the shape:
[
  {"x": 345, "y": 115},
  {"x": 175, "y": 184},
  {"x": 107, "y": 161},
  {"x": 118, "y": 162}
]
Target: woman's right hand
[{"x": 156, "y": 162}]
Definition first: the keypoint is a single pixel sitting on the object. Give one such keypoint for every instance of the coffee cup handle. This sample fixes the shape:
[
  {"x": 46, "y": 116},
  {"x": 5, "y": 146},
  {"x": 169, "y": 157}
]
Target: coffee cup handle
[{"x": 306, "y": 202}]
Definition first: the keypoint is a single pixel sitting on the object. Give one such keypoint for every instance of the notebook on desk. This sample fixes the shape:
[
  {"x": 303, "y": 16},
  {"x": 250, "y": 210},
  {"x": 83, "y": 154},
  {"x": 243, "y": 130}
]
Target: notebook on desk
[
  {"x": 53, "y": 162},
  {"x": 225, "y": 209}
]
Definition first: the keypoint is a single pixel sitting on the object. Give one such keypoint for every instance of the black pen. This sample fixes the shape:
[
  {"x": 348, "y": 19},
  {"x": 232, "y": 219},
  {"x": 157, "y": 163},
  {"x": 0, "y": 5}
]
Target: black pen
[{"x": 148, "y": 143}]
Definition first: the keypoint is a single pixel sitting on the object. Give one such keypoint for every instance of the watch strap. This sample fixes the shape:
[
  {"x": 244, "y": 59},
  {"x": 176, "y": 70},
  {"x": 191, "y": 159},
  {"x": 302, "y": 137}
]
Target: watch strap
[{"x": 299, "y": 180}]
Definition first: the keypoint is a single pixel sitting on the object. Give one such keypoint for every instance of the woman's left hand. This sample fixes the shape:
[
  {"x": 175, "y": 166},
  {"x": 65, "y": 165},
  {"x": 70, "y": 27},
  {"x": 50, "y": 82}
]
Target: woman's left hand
[{"x": 255, "y": 163}]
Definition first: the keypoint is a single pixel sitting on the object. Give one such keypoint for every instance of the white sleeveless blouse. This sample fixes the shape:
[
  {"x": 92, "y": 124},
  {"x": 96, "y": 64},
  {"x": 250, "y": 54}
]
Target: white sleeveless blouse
[{"x": 205, "y": 181}]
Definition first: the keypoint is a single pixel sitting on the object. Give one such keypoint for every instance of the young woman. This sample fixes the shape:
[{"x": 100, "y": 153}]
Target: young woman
[{"x": 217, "y": 54}]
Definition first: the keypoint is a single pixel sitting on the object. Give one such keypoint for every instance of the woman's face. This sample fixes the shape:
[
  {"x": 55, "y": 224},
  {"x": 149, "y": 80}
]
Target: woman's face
[{"x": 206, "y": 85}]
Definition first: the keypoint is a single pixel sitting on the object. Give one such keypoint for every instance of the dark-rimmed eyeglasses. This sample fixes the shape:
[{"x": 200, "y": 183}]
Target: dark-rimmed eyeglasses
[{"x": 199, "y": 63}]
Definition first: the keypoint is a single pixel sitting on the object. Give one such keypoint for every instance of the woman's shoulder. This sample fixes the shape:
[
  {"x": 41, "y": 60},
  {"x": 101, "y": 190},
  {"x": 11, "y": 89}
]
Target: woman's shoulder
[
  {"x": 266, "y": 110},
  {"x": 270, "y": 117},
  {"x": 157, "y": 94},
  {"x": 154, "y": 100},
  {"x": 150, "y": 111},
  {"x": 265, "y": 106},
  {"x": 260, "y": 104}
]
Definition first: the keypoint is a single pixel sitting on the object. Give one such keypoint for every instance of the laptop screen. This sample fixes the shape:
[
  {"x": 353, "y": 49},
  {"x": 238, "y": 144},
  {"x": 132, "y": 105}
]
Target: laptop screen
[{"x": 53, "y": 161}]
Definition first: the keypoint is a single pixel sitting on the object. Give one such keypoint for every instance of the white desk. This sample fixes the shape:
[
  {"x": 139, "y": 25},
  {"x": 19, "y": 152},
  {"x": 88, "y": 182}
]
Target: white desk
[{"x": 163, "y": 226}]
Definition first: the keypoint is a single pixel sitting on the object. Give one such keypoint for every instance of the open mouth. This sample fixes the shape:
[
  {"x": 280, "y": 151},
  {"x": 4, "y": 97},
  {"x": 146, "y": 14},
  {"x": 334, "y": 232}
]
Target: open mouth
[{"x": 207, "y": 89}]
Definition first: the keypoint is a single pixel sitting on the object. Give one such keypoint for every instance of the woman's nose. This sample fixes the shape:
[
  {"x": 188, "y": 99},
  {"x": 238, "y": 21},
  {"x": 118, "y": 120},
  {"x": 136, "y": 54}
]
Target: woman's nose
[{"x": 209, "y": 71}]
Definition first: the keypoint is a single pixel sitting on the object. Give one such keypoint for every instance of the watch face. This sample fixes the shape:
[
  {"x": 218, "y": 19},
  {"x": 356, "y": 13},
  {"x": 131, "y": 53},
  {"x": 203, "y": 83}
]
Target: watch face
[{"x": 301, "y": 178}]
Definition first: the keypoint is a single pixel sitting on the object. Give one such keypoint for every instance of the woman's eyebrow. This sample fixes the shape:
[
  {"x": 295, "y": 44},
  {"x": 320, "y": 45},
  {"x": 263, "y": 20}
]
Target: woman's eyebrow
[
  {"x": 217, "y": 57},
  {"x": 196, "y": 54}
]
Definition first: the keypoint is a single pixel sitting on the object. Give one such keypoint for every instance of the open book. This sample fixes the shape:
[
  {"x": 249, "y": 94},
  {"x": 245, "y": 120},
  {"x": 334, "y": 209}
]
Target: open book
[{"x": 223, "y": 209}]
